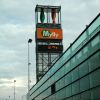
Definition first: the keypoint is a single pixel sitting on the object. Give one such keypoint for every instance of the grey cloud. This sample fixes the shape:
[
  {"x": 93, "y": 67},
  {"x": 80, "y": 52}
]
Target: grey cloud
[
  {"x": 16, "y": 11},
  {"x": 5, "y": 82}
]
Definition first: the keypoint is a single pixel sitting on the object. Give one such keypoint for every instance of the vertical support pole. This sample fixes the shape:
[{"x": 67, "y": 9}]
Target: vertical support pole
[
  {"x": 28, "y": 73},
  {"x": 28, "y": 69},
  {"x": 60, "y": 16},
  {"x": 42, "y": 63},
  {"x": 37, "y": 66},
  {"x": 49, "y": 60},
  {"x": 47, "y": 15},
  {"x": 37, "y": 16},
  {"x": 14, "y": 89},
  {"x": 29, "y": 41}
]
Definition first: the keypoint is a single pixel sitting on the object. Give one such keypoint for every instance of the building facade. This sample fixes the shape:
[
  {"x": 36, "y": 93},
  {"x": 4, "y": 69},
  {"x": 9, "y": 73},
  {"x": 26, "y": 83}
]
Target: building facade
[{"x": 76, "y": 74}]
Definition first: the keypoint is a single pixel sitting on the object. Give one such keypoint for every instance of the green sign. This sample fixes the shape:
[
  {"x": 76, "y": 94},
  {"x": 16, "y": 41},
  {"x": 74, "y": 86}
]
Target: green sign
[{"x": 46, "y": 33}]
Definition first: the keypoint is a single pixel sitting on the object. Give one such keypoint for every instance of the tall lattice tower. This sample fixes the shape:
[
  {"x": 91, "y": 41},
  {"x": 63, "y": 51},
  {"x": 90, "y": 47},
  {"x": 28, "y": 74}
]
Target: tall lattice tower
[{"x": 48, "y": 37}]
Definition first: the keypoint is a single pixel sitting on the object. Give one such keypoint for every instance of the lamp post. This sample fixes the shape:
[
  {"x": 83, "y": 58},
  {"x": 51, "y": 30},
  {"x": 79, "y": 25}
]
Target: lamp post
[
  {"x": 29, "y": 41},
  {"x": 23, "y": 97},
  {"x": 14, "y": 89},
  {"x": 9, "y": 97}
]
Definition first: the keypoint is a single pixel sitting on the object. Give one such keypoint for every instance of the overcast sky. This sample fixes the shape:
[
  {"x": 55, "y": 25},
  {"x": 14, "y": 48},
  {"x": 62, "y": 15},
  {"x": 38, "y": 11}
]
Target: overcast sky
[{"x": 17, "y": 25}]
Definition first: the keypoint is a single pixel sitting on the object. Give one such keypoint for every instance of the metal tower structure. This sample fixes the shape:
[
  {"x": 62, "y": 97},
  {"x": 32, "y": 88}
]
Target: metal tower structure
[{"x": 48, "y": 37}]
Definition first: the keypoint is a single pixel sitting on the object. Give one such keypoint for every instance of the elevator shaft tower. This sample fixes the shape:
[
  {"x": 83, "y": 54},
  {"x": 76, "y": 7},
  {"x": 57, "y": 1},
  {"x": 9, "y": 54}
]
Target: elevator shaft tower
[{"x": 48, "y": 37}]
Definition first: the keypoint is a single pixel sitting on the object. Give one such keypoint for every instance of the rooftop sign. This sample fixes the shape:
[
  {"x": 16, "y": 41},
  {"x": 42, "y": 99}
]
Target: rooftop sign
[{"x": 45, "y": 33}]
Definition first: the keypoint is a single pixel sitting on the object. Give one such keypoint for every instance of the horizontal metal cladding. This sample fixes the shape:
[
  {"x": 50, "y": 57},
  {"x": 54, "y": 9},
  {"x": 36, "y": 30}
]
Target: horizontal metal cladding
[
  {"x": 47, "y": 33},
  {"x": 50, "y": 48}
]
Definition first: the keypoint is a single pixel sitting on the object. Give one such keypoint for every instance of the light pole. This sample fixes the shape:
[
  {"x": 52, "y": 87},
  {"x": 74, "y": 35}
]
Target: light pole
[
  {"x": 23, "y": 97},
  {"x": 29, "y": 41},
  {"x": 9, "y": 97},
  {"x": 14, "y": 89}
]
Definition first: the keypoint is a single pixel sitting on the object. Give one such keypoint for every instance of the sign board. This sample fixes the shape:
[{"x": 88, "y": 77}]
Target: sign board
[
  {"x": 50, "y": 48},
  {"x": 46, "y": 33}
]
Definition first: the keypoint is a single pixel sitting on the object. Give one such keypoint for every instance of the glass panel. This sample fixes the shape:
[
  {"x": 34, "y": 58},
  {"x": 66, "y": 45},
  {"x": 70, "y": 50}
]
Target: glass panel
[
  {"x": 66, "y": 54},
  {"x": 52, "y": 80},
  {"x": 83, "y": 69},
  {"x": 84, "y": 83},
  {"x": 65, "y": 57},
  {"x": 67, "y": 67},
  {"x": 79, "y": 55},
  {"x": 95, "y": 41},
  {"x": 73, "y": 60},
  {"x": 79, "y": 41},
  {"x": 48, "y": 83},
  {"x": 61, "y": 94},
  {"x": 53, "y": 97},
  {"x": 62, "y": 82},
  {"x": 76, "y": 97},
  {"x": 85, "y": 49},
  {"x": 95, "y": 78},
  {"x": 68, "y": 91},
  {"x": 57, "y": 85},
  {"x": 86, "y": 95},
  {"x": 94, "y": 25},
  {"x": 57, "y": 75},
  {"x": 53, "y": 69},
  {"x": 68, "y": 78},
  {"x": 94, "y": 61},
  {"x": 69, "y": 98},
  {"x": 95, "y": 94},
  {"x": 60, "y": 73},
  {"x": 75, "y": 74},
  {"x": 75, "y": 87},
  {"x": 48, "y": 92}
]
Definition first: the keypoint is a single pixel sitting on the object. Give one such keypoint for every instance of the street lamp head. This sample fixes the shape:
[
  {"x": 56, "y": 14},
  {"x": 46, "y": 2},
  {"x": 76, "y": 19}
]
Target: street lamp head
[
  {"x": 30, "y": 40},
  {"x": 14, "y": 80},
  {"x": 29, "y": 63}
]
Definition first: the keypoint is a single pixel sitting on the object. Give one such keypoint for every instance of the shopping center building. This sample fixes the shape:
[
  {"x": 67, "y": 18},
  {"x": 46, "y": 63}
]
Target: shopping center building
[{"x": 76, "y": 73}]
